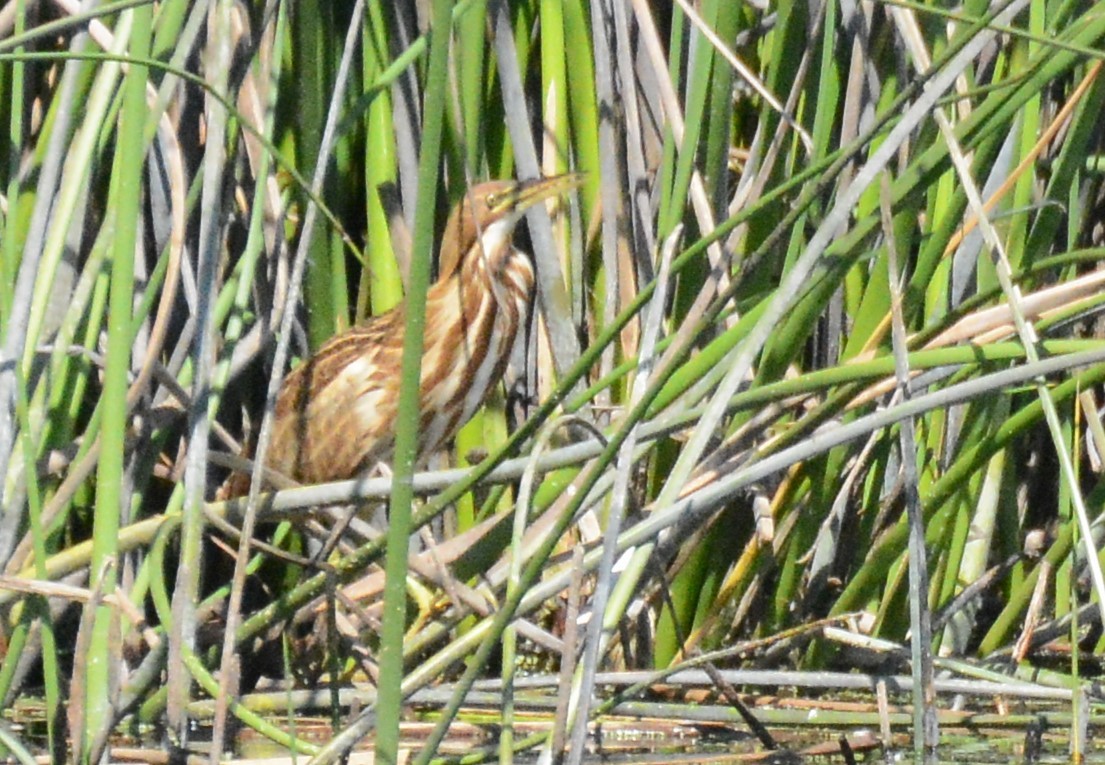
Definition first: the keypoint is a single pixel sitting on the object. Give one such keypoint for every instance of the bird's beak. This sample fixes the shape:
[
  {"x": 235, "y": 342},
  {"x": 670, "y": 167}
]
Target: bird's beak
[{"x": 530, "y": 192}]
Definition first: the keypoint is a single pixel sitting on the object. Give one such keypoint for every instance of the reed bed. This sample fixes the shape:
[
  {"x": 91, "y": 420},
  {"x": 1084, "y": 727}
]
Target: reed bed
[{"x": 813, "y": 382}]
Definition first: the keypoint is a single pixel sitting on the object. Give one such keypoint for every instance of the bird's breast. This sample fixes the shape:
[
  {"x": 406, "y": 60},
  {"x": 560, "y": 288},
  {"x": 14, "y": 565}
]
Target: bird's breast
[{"x": 471, "y": 331}]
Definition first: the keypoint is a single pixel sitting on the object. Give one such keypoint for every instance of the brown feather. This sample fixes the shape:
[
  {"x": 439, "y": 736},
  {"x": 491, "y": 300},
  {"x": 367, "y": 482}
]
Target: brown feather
[{"x": 335, "y": 413}]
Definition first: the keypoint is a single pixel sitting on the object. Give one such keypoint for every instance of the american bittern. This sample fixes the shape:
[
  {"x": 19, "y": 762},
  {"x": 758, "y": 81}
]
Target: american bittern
[{"x": 335, "y": 413}]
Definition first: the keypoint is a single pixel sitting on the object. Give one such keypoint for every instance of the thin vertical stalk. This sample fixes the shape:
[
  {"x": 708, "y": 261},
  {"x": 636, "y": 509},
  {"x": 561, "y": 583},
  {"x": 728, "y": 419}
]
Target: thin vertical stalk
[
  {"x": 471, "y": 113},
  {"x": 925, "y": 731},
  {"x": 610, "y": 164},
  {"x": 55, "y": 739},
  {"x": 186, "y": 592},
  {"x": 11, "y": 326},
  {"x": 101, "y": 662},
  {"x": 406, "y": 436},
  {"x": 584, "y": 119},
  {"x": 8, "y": 257},
  {"x": 382, "y": 287},
  {"x": 310, "y": 28}
]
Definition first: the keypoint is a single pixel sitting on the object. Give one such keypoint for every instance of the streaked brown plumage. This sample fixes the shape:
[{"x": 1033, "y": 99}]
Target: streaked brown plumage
[{"x": 335, "y": 413}]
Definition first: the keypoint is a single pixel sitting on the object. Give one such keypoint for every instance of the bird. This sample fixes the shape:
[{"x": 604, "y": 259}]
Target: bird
[{"x": 335, "y": 413}]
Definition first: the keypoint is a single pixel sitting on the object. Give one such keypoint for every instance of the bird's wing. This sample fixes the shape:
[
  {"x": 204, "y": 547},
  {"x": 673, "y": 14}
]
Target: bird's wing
[{"x": 332, "y": 409}]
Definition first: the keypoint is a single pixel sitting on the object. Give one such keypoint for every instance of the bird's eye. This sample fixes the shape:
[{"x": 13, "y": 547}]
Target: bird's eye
[{"x": 493, "y": 200}]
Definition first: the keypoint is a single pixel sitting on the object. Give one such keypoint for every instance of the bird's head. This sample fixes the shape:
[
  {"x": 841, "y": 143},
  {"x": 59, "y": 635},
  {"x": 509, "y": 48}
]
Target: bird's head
[{"x": 488, "y": 214}]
